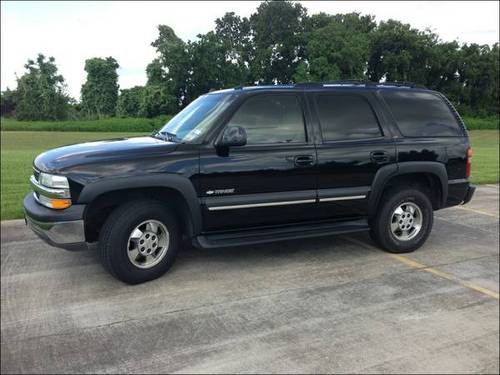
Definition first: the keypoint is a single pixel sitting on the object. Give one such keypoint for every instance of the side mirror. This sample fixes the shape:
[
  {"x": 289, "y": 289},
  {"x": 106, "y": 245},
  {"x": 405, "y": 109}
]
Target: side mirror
[{"x": 233, "y": 136}]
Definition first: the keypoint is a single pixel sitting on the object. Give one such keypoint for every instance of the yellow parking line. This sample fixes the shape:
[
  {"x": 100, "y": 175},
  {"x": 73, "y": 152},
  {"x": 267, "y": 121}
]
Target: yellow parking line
[
  {"x": 478, "y": 211},
  {"x": 422, "y": 267}
]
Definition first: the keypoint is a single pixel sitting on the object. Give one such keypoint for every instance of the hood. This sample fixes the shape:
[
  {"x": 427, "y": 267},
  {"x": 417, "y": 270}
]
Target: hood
[{"x": 61, "y": 158}]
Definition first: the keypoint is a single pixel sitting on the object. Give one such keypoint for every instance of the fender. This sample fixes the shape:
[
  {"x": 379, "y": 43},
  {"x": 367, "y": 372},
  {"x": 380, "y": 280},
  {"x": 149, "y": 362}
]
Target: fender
[
  {"x": 387, "y": 172},
  {"x": 173, "y": 181}
]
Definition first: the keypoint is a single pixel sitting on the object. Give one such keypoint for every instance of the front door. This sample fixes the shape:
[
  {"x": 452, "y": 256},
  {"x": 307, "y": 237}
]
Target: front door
[{"x": 269, "y": 181}]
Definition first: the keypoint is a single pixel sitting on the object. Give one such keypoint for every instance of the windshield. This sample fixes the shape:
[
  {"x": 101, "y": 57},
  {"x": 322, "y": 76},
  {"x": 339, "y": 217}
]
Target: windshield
[{"x": 194, "y": 120}]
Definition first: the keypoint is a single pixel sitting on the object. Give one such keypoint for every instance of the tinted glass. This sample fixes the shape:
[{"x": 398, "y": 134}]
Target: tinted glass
[
  {"x": 421, "y": 114},
  {"x": 346, "y": 117},
  {"x": 271, "y": 119}
]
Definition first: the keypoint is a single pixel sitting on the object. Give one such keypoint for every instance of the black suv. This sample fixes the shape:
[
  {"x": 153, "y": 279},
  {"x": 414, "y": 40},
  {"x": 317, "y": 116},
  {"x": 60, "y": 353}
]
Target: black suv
[{"x": 258, "y": 164}]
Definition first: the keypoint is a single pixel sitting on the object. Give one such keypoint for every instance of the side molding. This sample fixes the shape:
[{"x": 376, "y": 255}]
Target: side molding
[
  {"x": 385, "y": 173},
  {"x": 173, "y": 181},
  {"x": 238, "y": 201}
]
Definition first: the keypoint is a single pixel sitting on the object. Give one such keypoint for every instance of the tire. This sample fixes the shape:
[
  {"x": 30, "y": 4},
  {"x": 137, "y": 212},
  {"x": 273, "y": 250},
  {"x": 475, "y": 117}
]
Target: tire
[
  {"x": 119, "y": 233},
  {"x": 401, "y": 239}
]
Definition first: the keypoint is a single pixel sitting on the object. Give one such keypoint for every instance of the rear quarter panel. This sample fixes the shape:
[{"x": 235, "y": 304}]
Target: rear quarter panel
[{"x": 450, "y": 151}]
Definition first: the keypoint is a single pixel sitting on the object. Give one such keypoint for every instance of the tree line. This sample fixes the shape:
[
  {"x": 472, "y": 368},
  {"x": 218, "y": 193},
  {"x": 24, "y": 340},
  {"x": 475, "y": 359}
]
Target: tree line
[{"x": 279, "y": 43}]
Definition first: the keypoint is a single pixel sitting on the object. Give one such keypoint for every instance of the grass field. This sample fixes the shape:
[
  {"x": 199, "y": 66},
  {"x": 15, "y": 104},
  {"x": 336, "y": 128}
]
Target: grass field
[
  {"x": 117, "y": 124},
  {"x": 485, "y": 159},
  {"x": 18, "y": 148},
  {"x": 476, "y": 123},
  {"x": 114, "y": 124}
]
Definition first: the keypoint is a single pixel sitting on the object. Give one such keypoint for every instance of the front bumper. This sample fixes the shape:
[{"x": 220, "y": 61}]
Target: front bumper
[{"x": 64, "y": 228}]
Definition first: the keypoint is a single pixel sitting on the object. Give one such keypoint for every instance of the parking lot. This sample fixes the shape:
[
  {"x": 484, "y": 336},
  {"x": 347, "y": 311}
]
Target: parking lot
[{"x": 334, "y": 304}]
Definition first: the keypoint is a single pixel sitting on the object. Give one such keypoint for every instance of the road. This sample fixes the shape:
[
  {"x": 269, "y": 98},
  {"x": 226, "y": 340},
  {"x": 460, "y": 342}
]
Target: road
[{"x": 334, "y": 304}]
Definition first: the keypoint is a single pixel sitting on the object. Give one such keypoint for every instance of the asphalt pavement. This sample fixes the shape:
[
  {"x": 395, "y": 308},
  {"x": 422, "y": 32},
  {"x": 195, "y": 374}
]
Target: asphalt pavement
[{"x": 333, "y": 304}]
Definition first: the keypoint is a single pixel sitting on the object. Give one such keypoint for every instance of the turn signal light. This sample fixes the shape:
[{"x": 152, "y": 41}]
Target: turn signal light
[{"x": 60, "y": 204}]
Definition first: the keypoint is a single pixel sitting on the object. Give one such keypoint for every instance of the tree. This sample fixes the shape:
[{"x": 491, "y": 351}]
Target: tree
[
  {"x": 443, "y": 69},
  {"x": 41, "y": 92},
  {"x": 400, "y": 53},
  {"x": 155, "y": 73},
  {"x": 334, "y": 52},
  {"x": 9, "y": 101},
  {"x": 468, "y": 75},
  {"x": 478, "y": 73},
  {"x": 129, "y": 102},
  {"x": 187, "y": 70},
  {"x": 158, "y": 95},
  {"x": 210, "y": 67},
  {"x": 277, "y": 30},
  {"x": 157, "y": 100},
  {"x": 100, "y": 92},
  {"x": 280, "y": 43},
  {"x": 234, "y": 34},
  {"x": 174, "y": 61},
  {"x": 352, "y": 21}
]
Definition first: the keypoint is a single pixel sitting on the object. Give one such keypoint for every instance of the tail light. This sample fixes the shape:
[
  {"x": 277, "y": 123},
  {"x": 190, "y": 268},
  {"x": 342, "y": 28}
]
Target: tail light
[{"x": 468, "y": 166}]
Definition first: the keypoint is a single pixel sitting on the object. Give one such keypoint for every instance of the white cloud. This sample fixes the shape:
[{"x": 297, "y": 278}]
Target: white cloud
[{"x": 75, "y": 31}]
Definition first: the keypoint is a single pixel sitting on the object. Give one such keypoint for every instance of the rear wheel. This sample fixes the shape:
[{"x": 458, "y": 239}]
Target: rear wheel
[
  {"x": 403, "y": 221},
  {"x": 139, "y": 241}
]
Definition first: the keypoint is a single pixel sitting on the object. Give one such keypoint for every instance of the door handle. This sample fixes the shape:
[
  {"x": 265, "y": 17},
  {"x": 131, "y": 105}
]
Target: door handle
[
  {"x": 379, "y": 156},
  {"x": 303, "y": 160}
]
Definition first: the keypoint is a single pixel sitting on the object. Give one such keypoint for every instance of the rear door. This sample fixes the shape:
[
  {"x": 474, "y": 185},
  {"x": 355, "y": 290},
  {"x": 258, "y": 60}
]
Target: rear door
[
  {"x": 353, "y": 146},
  {"x": 269, "y": 181}
]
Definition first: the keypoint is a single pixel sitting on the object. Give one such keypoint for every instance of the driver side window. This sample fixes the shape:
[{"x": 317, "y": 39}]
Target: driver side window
[{"x": 271, "y": 119}]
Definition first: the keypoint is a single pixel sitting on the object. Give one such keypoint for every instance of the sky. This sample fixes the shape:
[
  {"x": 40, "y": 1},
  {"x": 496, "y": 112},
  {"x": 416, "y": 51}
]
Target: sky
[{"x": 75, "y": 31}]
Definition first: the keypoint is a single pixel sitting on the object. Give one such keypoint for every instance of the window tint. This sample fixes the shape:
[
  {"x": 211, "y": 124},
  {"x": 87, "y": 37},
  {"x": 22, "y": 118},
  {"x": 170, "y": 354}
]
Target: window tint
[
  {"x": 421, "y": 114},
  {"x": 346, "y": 117},
  {"x": 271, "y": 119}
]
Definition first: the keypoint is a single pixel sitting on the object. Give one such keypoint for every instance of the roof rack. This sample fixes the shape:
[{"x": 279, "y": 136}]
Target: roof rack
[
  {"x": 355, "y": 82},
  {"x": 402, "y": 84},
  {"x": 342, "y": 83}
]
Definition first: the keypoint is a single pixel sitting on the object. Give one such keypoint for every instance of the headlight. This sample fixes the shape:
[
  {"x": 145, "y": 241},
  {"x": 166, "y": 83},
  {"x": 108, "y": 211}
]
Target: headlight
[
  {"x": 51, "y": 191},
  {"x": 53, "y": 181}
]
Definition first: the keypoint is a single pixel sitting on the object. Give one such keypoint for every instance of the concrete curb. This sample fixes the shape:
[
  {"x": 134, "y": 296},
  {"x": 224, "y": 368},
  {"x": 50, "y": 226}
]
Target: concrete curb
[{"x": 15, "y": 230}]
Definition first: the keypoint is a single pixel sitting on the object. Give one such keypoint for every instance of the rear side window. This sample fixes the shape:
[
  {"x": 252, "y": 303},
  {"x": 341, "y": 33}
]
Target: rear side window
[
  {"x": 346, "y": 117},
  {"x": 422, "y": 114},
  {"x": 271, "y": 119}
]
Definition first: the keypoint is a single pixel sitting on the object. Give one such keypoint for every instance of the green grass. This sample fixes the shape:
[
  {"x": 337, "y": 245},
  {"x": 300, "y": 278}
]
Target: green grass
[
  {"x": 113, "y": 124},
  {"x": 476, "y": 123},
  {"x": 18, "y": 148},
  {"x": 485, "y": 165},
  {"x": 116, "y": 124}
]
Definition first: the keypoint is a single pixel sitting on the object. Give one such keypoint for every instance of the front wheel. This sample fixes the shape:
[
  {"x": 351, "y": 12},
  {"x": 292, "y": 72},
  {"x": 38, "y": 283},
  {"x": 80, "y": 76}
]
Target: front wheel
[
  {"x": 403, "y": 221},
  {"x": 139, "y": 241}
]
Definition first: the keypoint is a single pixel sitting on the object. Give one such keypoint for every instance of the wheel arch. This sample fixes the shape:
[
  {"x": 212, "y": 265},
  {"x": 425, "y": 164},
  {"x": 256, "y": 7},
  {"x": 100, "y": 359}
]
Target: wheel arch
[
  {"x": 103, "y": 196},
  {"x": 433, "y": 173}
]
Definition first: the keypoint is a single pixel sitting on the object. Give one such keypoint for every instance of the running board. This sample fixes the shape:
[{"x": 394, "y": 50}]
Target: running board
[{"x": 256, "y": 236}]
